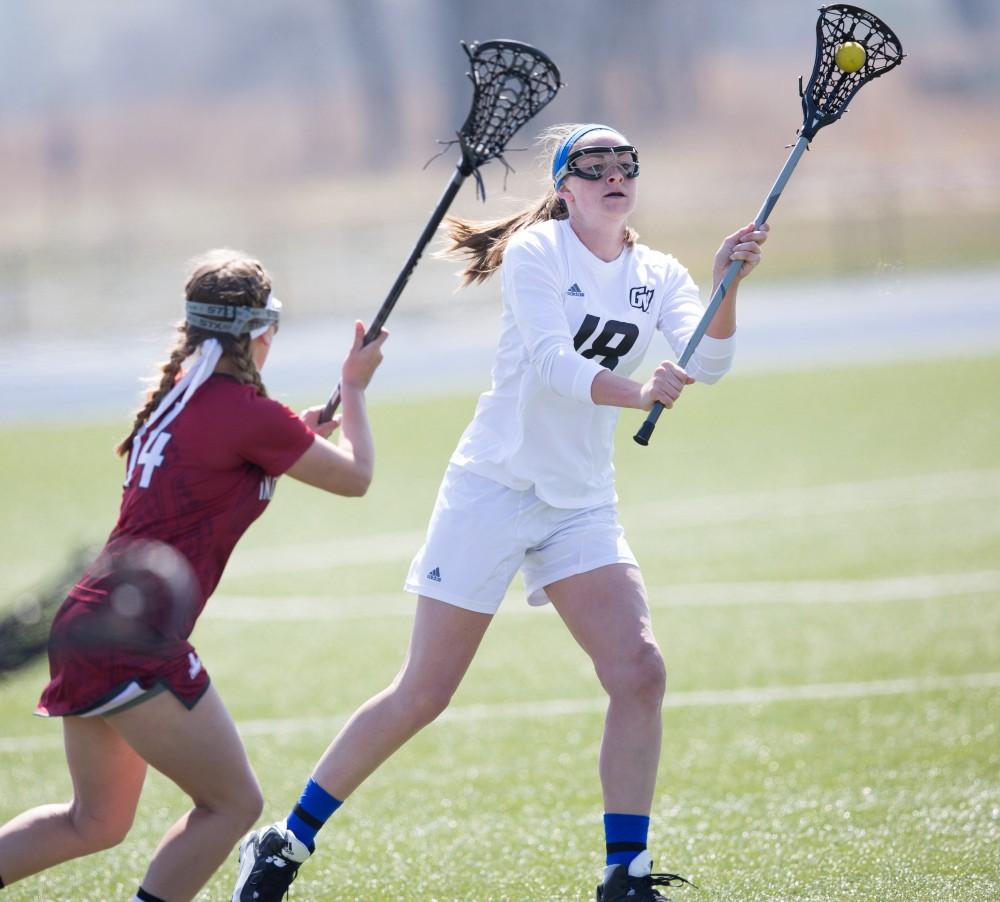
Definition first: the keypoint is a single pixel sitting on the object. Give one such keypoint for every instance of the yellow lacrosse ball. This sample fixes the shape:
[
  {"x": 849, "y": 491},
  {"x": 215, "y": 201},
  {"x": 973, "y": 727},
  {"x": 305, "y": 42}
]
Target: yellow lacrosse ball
[{"x": 850, "y": 56}]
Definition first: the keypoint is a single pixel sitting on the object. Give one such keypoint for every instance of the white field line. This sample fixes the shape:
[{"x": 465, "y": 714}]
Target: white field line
[
  {"x": 314, "y": 608},
  {"x": 721, "y": 697},
  {"x": 281, "y": 726},
  {"x": 377, "y": 548},
  {"x": 780, "y": 504},
  {"x": 836, "y": 498}
]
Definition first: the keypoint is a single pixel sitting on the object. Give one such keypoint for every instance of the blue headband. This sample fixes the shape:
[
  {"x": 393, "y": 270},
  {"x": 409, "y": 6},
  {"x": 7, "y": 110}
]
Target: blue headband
[{"x": 563, "y": 153}]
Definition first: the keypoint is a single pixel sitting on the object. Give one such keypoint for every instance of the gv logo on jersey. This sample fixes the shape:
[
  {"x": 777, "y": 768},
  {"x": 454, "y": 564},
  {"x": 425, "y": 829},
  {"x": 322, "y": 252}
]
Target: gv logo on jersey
[
  {"x": 267, "y": 486},
  {"x": 641, "y": 297}
]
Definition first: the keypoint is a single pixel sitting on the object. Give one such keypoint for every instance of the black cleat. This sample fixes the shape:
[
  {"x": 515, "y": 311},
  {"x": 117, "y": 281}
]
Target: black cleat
[
  {"x": 269, "y": 860},
  {"x": 636, "y": 883}
]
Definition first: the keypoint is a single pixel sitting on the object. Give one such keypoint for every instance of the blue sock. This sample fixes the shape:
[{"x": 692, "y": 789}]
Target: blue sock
[
  {"x": 625, "y": 835},
  {"x": 312, "y": 811}
]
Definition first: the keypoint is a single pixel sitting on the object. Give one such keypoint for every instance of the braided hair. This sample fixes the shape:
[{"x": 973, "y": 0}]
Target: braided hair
[{"x": 221, "y": 276}]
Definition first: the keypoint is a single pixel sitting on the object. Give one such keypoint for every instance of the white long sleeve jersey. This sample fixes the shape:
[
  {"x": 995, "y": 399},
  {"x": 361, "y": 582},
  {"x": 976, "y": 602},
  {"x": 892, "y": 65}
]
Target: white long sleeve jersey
[{"x": 566, "y": 315}]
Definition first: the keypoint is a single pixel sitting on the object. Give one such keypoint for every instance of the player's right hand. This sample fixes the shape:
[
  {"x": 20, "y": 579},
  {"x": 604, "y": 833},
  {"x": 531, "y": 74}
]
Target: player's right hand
[
  {"x": 310, "y": 416},
  {"x": 362, "y": 360},
  {"x": 665, "y": 386}
]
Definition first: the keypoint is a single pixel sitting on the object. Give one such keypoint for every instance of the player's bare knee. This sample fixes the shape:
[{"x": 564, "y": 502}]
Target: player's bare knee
[
  {"x": 650, "y": 674},
  {"x": 240, "y": 803},
  {"x": 250, "y": 807},
  {"x": 247, "y": 806},
  {"x": 100, "y": 830},
  {"x": 637, "y": 677},
  {"x": 425, "y": 704}
]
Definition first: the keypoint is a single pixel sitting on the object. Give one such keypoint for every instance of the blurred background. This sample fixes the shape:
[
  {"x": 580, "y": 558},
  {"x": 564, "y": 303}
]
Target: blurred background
[
  {"x": 819, "y": 538},
  {"x": 133, "y": 136}
]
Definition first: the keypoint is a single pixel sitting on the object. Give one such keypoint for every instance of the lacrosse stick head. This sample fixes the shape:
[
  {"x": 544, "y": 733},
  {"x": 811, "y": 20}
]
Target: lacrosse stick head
[
  {"x": 511, "y": 82},
  {"x": 831, "y": 87}
]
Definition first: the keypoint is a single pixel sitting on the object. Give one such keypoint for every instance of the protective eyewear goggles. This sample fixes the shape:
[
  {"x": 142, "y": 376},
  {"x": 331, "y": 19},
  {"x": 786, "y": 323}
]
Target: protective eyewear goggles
[{"x": 594, "y": 163}]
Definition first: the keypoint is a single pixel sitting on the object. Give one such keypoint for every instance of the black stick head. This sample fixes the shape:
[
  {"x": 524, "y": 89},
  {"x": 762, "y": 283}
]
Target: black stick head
[
  {"x": 853, "y": 47},
  {"x": 512, "y": 81}
]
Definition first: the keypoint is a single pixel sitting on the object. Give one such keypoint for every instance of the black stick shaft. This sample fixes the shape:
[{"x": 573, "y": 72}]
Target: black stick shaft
[
  {"x": 404, "y": 276},
  {"x": 646, "y": 430}
]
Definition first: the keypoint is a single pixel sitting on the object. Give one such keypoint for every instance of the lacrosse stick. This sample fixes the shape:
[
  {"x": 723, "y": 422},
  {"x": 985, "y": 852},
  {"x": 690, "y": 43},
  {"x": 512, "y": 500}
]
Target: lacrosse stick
[
  {"x": 151, "y": 590},
  {"x": 24, "y": 629},
  {"x": 853, "y": 47},
  {"x": 511, "y": 82}
]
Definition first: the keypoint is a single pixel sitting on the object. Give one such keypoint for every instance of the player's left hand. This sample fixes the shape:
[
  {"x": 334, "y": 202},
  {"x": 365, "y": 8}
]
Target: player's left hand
[
  {"x": 742, "y": 245},
  {"x": 310, "y": 416},
  {"x": 665, "y": 386}
]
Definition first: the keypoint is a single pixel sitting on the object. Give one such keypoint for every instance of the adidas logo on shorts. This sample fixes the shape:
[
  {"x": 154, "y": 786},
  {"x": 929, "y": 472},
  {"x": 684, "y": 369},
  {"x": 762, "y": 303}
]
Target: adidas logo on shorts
[
  {"x": 574, "y": 291},
  {"x": 435, "y": 575}
]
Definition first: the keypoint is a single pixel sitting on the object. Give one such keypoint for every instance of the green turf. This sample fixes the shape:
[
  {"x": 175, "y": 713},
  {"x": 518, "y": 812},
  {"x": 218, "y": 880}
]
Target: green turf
[{"x": 835, "y": 529}]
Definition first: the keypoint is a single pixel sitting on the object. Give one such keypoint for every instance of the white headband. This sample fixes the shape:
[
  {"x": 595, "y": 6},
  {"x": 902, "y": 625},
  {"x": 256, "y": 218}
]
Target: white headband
[
  {"x": 233, "y": 319},
  {"x": 272, "y": 304}
]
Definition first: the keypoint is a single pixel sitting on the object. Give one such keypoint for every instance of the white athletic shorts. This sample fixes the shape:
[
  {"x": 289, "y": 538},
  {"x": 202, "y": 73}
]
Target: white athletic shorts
[{"x": 482, "y": 532}]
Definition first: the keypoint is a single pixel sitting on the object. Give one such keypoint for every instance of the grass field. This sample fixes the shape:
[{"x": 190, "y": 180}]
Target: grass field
[{"x": 822, "y": 551}]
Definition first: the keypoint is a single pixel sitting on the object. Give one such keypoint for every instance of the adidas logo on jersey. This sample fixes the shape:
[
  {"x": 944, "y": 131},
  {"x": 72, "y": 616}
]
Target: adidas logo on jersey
[
  {"x": 435, "y": 575},
  {"x": 574, "y": 291}
]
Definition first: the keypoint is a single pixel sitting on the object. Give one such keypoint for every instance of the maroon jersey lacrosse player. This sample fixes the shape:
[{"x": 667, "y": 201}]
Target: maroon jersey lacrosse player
[{"x": 195, "y": 486}]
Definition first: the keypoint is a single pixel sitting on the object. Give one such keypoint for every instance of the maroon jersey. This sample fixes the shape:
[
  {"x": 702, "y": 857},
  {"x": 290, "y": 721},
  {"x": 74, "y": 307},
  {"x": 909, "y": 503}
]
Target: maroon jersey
[{"x": 196, "y": 485}]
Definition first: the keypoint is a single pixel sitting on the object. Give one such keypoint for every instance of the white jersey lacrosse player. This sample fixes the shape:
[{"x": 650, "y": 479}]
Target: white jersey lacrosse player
[
  {"x": 567, "y": 316},
  {"x": 531, "y": 487}
]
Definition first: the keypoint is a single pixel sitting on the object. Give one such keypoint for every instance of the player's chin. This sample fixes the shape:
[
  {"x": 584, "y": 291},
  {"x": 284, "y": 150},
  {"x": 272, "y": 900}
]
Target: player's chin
[{"x": 618, "y": 203}]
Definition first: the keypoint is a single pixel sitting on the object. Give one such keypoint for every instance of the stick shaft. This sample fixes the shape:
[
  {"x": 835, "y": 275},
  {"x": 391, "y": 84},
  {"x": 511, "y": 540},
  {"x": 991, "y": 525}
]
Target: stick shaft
[
  {"x": 404, "y": 276},
  {"x": 646, "y": 430}
]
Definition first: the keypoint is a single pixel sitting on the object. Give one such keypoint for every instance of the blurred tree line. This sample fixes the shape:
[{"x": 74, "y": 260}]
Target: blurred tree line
[
  {"x": 376, "y": 81},
  {"x": 133, "y": 134}
]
